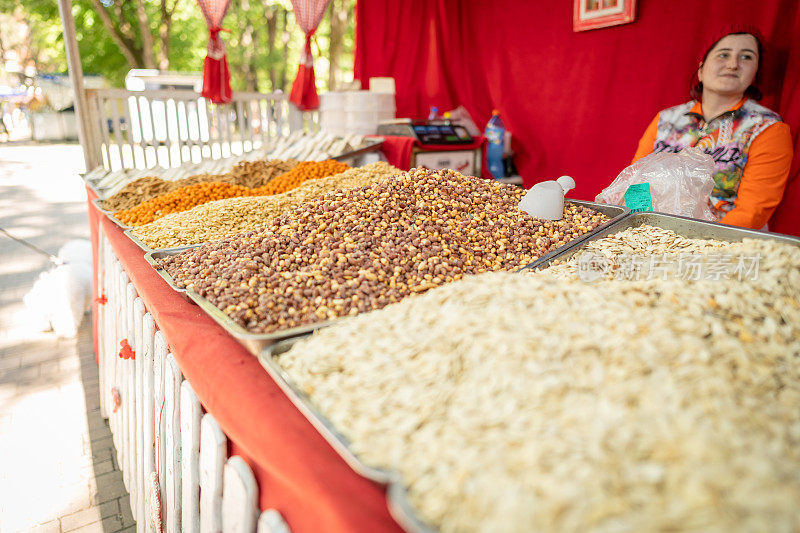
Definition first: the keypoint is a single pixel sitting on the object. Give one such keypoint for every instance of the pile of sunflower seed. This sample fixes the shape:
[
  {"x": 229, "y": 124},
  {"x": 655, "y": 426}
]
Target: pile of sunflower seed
[{"x": 512, "y": 402}]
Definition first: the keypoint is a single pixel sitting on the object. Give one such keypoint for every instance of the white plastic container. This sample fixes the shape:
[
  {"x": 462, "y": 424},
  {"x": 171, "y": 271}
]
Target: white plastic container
[
  {"x": 357, "y": 112},
  {"x": 333, "y": 121},
  {"x": 369, "y": 101},
  {"x": 332, "y": 100},
  {"x": 382, "y": 85},
  {"x": 332, "y": 115},
  {"x": 545, "y": 200},
  {"x": 364, "y": 110}
]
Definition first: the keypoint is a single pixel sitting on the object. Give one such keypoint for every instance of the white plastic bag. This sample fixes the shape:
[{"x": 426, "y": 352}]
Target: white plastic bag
[{"x": 680, "y": 184}]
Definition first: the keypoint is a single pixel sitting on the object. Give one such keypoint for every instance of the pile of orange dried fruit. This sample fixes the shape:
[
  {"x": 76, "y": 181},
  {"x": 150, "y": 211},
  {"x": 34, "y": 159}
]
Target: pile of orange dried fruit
[
  {"x": 186, "y": 198},
  {"x": 179, "y": 200},
  {"x": 307, "y": 170}
]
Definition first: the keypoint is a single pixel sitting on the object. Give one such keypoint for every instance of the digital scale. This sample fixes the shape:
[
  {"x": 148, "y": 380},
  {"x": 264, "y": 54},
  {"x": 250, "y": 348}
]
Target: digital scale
[
  {"x": 439, "y": 144},
  {"x": 426, "y": 131}
]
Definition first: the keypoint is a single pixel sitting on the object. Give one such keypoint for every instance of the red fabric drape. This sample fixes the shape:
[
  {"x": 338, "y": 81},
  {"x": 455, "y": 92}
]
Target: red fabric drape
[
  {"x": 576, "y": 103},
  {"x": 216, "y": 74},
  {"x": 304, "y": 89}
]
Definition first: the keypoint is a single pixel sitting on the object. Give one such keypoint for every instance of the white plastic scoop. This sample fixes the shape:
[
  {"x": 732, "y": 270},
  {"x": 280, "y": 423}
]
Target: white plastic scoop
[{"x": 546, "y": 199}]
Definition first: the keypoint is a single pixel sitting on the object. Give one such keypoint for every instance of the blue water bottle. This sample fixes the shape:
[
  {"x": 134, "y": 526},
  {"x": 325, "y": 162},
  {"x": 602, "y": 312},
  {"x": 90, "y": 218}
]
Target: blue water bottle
[{"x": 495, "y": 133}]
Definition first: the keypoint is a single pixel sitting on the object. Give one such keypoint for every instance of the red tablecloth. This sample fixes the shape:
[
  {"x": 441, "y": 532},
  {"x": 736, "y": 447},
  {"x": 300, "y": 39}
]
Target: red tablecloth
[
  {"x": 398, "y": 149},
  {"x": 298, "y": 473}
]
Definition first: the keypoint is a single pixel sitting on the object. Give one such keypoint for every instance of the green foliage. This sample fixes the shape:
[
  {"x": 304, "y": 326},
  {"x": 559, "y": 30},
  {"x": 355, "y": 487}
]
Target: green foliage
[
  {"x": 45, "y": 37},
  {"x": 249, "y": 52},
  {"x": 99, "y": 54},
  {"x": 188, "y": 38},
  {"x": 248, "y": 43}
]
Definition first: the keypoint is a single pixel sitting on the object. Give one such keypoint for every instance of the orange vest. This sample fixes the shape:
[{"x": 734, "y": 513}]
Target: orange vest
[{"x": 752, "y": 151}]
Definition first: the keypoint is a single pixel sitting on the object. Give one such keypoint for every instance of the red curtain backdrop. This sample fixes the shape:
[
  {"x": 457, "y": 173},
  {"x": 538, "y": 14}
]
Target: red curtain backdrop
[{"x": 576, "y": 103}]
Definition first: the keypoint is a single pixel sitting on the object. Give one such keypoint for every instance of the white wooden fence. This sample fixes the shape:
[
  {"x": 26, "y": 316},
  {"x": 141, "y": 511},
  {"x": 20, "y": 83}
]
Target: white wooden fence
[
  {"x": 160, "y": 426},
  {"x": 145, "y": 129}
]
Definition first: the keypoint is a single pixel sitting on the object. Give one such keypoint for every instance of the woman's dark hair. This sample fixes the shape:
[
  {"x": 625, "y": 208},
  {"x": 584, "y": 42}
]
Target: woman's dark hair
[{"x": 751, "y": 92}]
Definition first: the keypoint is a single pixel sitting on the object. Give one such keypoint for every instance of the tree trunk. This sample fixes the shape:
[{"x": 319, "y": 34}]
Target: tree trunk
[
  {"x": 147, "y": 37},
  {"x": 338, "y": 13},
  {"x": 164, "y": 32},
  {"x": 30, "y": 53},
  {"x": 125, "y": 44},
  {"x": 163, "y": 52},
  {"x": 285, "y": 42},
  {"x": 253, "y": 60},
  {"x": 249, "y": 43},
  {"x": 272, "y": 32}
]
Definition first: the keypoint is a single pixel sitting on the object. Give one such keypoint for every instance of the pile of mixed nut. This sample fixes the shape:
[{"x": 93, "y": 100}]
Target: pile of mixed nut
[
  {"x": 246, "y": 173},
  {"x": 360, "y": 249},
  {"x": 222, "y": 218}
]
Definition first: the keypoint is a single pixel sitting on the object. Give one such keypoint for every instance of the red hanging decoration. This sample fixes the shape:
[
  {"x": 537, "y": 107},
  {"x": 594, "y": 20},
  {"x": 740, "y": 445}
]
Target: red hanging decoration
[
  {"x": 125, "y": 350},
  {"x": 216, "y": 74},
  {"x": 304, "y": 89}
]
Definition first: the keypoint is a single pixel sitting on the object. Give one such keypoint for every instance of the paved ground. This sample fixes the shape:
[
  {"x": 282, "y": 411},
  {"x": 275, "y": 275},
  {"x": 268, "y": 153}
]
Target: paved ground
[{"x": 58, "y": 469}]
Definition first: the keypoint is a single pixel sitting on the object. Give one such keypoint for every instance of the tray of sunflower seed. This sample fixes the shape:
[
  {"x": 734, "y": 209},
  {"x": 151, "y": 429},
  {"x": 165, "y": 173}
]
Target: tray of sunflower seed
[{"x": 647, "y": 244}]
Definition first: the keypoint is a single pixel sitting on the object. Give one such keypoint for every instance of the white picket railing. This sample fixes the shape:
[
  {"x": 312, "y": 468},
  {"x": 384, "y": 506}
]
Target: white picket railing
[
  {"x": 145, "y": 129},
  {"x": 160, "y": 425}
]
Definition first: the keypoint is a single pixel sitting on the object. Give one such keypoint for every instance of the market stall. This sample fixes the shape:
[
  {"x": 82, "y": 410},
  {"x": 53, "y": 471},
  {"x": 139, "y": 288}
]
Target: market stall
[
  {"x": 471, "y": 367},
  {"x": 322, "y": 457},
  {"x": 292, "y": 464},
  {"x": 211, "y": 316}
]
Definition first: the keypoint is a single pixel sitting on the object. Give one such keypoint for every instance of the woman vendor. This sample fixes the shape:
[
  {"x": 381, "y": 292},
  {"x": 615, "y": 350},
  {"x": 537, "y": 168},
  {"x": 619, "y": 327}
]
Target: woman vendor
[{"x": 750, "y": 144}]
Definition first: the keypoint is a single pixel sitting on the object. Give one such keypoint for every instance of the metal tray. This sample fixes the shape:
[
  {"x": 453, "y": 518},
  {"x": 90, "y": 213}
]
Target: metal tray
[
  {"x": 364, "y": 149},
  {"x": 101, "y": 193},
  {"x": 256, "y": 342},
  {"x": 684, "y": 226},
  {"x": 396, "y": 493},
  {"x": 339, "y": 442},
  {"x": 154, "y": 256},
  {"x": 615, "y": 213},
  {"x": 93, "y": 180},
  {"x": 612, "y": 211},
  {"x": 140, "y": 243},
  {"x": 109, "y": 214},
  {"x": 402, "y": 510}
]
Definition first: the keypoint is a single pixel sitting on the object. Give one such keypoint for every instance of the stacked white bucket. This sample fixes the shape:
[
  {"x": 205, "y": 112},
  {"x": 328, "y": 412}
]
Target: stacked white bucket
[{"x": 359, "y": 112}]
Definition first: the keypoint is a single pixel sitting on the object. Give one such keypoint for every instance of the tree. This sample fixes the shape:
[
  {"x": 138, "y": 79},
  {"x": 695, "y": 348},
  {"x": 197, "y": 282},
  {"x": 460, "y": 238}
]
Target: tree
[
  {"x": 265, "y": 40},
  {"x": 130, "y": 25},
  {"x": 114, "y": 36},
  {"x": 111, "y": 36},
  {"x": 17, "y": 34},
  {"x": 340, "y": 23}
]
